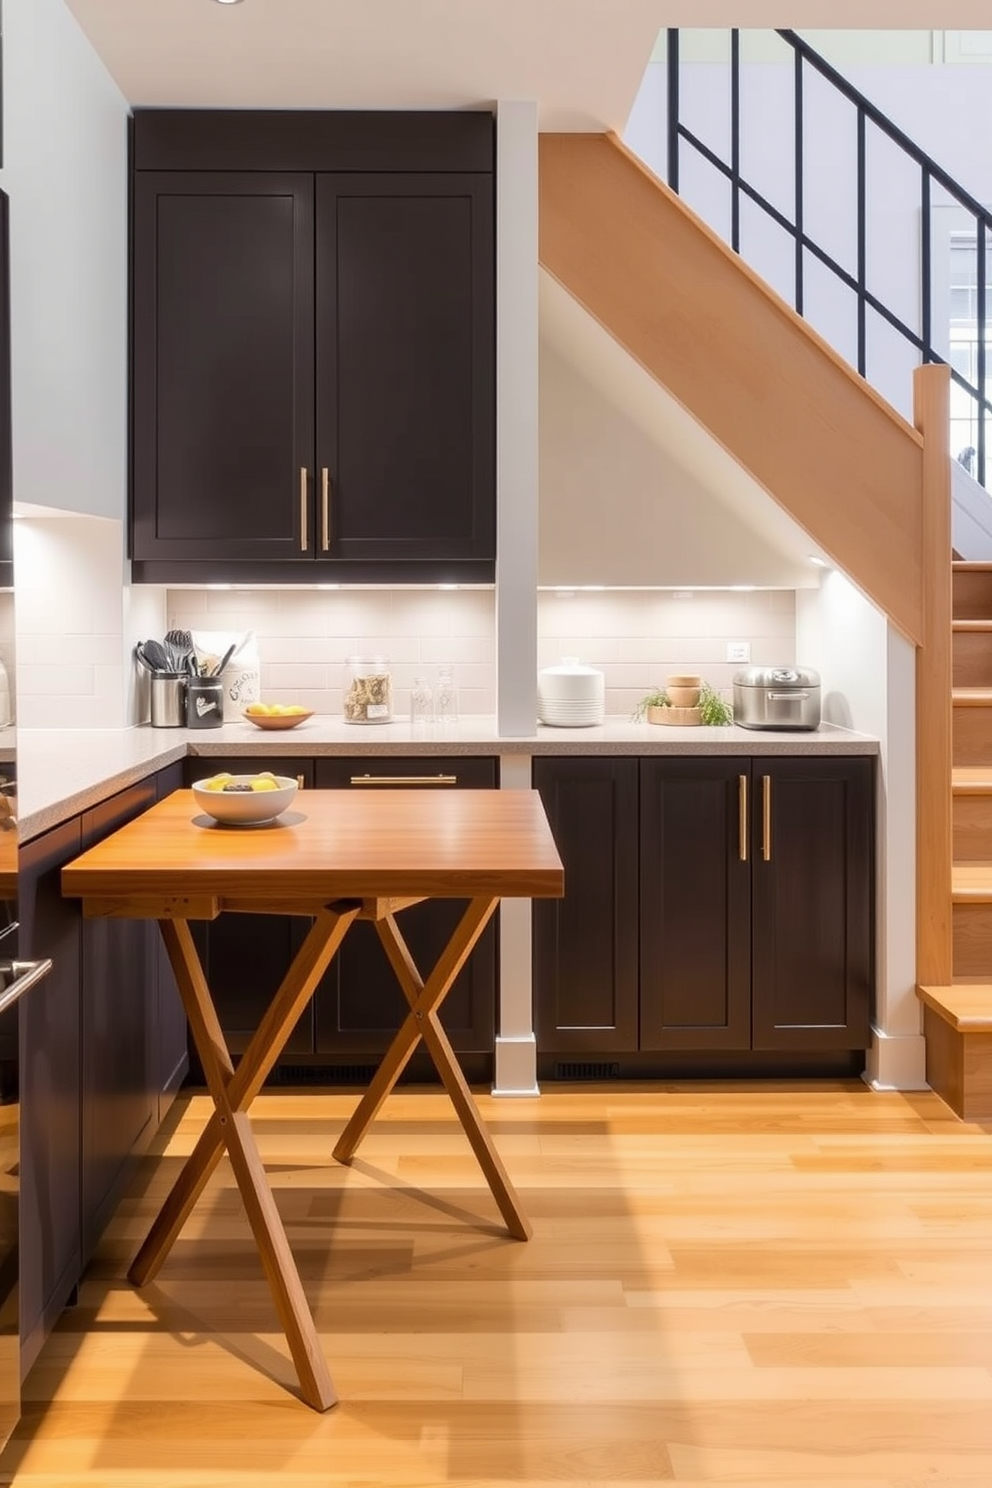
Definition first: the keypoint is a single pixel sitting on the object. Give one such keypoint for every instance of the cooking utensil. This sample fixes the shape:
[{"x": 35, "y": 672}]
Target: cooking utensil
[
  {"x": 222, "y": 664},
  {"x": 156, "y": 658}
]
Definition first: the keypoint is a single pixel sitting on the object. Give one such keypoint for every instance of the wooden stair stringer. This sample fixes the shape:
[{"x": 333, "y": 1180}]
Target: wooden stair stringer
[{"x": 773, "y": 393}]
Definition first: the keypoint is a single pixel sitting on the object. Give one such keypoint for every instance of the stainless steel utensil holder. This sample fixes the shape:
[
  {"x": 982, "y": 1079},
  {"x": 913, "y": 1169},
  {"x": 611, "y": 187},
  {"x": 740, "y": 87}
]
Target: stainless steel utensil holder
[{"x": 168, "y": 700}]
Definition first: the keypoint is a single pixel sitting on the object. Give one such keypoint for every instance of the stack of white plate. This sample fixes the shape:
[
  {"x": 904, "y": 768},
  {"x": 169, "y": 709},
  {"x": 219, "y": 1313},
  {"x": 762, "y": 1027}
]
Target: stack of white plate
[{"x": 571, "y": 695}]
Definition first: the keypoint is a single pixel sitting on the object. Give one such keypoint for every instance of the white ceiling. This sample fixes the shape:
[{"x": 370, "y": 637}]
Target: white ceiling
[{"x": 582, "y": 60}]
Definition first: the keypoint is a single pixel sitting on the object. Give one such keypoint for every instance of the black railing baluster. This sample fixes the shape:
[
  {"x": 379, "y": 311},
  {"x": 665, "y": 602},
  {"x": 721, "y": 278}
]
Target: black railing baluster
[
  {"x": 735, "y": 140},
  {"x": 980, "y": 363},
  {"x": 862, "y": 245},
  {"x": 673, "y": 108},
  {"x": 932, "y": 175},
  {"x": 797, "y": 110}
]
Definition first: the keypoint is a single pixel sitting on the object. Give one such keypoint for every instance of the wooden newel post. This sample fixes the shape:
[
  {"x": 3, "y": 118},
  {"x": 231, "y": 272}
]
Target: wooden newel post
[{"x": 934, "y": 936}]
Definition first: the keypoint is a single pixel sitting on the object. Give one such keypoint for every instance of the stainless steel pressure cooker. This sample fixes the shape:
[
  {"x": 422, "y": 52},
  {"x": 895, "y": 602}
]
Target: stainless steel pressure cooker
[{"x": 786, "y": 697}]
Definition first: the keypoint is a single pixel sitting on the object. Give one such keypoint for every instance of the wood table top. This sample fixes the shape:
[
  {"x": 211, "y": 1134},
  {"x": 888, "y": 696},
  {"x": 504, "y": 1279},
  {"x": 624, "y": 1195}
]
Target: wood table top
[{"x": 331, "y": 844}]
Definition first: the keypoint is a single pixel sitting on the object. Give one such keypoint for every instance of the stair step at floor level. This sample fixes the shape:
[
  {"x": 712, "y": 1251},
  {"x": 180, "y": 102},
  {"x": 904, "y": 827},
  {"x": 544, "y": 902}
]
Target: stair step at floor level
[
  {"x": 971, "y": 653},
  {"x": 972, "y": 814},
  {"x": 972, "y": 590},
  {"x": 957, "y": 1023},
  {"x": 972, "y": 726}
]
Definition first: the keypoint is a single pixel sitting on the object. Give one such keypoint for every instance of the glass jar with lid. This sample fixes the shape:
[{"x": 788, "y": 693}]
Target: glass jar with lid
[{"x": 368, "y": 690}]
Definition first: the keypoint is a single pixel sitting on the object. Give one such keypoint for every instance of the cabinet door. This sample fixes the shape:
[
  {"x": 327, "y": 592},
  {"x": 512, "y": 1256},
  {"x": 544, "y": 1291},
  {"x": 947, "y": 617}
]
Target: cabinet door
[
  {"x": 813, "y": 887},
  {"x": 695, "y": 904},
  {"x": 222, "y": 364},
  {"x": 359, "y": 1005},
  {"x": 405, "y": 366},
  {"x": 172, "y": 1060},
  {"x": 50, "y": 1242},
  {"x": 585, "y": 945},
  {"x": 245, "y": 956},
  {"x": 119, "y": 1005}
]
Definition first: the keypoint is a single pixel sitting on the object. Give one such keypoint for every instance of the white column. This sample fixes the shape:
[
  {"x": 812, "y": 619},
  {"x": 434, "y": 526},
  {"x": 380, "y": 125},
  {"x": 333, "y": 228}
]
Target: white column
[
  {"x": 516, "y": 417},
  {"x": 516, "y": 1046},
  {"x": 897, "y": 1058}
]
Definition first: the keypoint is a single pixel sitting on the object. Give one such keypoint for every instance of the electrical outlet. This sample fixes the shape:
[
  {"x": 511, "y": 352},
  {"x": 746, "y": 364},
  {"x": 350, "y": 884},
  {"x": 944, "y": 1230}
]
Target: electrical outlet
[{"x": 738, "y": 650}]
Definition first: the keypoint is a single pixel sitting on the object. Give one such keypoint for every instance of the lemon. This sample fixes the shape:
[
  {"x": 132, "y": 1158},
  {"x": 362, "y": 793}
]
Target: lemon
[
  {"x": 217, "y": 782},
  {"x": 263, "y": 785}
]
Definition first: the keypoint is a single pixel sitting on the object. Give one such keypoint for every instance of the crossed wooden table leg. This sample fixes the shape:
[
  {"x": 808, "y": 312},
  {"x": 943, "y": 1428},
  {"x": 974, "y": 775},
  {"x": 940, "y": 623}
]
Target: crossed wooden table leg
[{"x": 233, "y": 1090}]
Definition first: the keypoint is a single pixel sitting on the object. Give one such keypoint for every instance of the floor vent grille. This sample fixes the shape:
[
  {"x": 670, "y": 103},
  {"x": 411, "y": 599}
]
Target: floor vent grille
[
  {"x": 324, "y": 1074},
  {"x": 587, "y": 1071}
]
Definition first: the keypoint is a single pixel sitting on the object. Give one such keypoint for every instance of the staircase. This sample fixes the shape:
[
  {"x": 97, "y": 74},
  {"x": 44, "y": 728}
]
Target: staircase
[{"x": 958, "y": 1017}]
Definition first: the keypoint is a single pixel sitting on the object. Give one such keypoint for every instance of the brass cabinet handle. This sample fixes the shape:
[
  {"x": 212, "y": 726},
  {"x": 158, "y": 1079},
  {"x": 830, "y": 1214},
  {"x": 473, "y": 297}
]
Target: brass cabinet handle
[
  {"x": 742, "y": 817},
  {"x": 303, "y": 508},
  {"x": 404, "y": 779},
  {"x": 301, "y": 781},
  {"x": 325, "y": 509},
  {"x": 766, "y": 818}
]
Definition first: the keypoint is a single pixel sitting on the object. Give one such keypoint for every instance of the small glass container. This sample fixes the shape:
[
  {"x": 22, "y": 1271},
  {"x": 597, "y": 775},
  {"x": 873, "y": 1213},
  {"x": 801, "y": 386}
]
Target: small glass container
[
  {"x": 421, "y": 702},
  {"x": 446, "y": 696},
  {"x": 368, "y": 693}
]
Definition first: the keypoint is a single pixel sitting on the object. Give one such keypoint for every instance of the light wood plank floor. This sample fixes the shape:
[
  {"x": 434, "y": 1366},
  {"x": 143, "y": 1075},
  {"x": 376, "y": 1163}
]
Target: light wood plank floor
[{"x": 759, "y": 1285}]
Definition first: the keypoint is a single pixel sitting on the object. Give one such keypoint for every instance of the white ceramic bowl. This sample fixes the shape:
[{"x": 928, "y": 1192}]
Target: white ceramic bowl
[{"x": 245, "y": 806}]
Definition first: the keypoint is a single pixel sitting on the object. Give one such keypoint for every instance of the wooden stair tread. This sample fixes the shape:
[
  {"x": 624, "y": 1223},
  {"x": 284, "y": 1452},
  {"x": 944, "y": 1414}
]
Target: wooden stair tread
[
  {"x": 972, "y": 780},
  {"x": 972, "y": 627},
  {"x": 971, "y": 697},
  {"x": 967, "y": 565},
  {"x": 971, "y": 883},
  {"x": 966, "y": 1006}
]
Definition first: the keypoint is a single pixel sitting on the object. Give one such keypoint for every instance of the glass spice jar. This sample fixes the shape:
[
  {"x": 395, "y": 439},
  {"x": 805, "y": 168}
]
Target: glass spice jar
[{"x": 368, "y": 693}]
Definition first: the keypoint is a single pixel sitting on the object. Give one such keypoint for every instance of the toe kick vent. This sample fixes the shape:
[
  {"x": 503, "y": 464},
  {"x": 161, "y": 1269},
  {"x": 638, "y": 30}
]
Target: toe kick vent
[
  {"x": 324, "y": 1074},
  {"x": 578, "y": 1070}
]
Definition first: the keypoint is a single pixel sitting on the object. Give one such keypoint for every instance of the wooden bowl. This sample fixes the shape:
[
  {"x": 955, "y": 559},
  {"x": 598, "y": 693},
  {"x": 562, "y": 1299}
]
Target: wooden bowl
[{"x": 277, "y": 720}]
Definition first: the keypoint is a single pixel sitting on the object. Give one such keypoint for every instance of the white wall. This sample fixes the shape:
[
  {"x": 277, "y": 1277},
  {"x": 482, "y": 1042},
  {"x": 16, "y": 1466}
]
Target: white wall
[
  {"x": 868, "y": 672},
  {"x": 946, "y": 110},
  {"x": 65, "y": 171},
  {"x": 617, "y": 509}
]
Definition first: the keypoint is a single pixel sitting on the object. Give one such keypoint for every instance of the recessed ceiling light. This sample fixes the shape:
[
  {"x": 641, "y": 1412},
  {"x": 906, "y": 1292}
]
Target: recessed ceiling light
[
  {"x": 817, "y": 562},
  {"x": 228, "y": 2}
]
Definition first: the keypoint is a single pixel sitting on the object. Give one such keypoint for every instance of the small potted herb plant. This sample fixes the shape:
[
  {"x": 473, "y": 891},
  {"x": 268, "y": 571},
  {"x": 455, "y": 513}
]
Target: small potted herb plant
[{"x": 712, "y": 709}]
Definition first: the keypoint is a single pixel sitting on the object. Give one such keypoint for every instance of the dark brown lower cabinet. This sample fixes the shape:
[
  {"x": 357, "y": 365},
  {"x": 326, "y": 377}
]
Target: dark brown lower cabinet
[
  {"x": 358, "y": 1005},
  {"x": 813, "y": 943},
  {"x": 720, "y": 907},
  {"x": 585, "y": 945},
  {"x": 50, "y": 1243},
  {"x": 695, "y": 905},
  {"x": 245, "y": 957},
  {"x": 100, "y": 1058},
  {"x": 119, "y": 1010}
]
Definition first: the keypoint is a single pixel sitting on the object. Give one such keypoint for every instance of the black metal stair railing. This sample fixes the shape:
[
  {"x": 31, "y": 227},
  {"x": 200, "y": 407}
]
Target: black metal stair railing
[{"x": 931, "y": 175}]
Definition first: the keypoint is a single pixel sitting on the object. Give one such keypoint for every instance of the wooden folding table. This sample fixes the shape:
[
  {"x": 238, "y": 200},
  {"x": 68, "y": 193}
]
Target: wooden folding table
[{"x": 334, "y": 857}]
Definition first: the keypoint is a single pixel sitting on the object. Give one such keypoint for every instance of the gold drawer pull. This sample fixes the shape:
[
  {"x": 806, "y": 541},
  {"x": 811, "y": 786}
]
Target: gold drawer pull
[
  {"x": 303, "y": 508},
  {"x": 301, "y": 781},
  {"x": 404, "y": 779},
  {"x": 742, "y": 817},
  {"x": 325, "y": 509},
  {"x": 766, "y": 818}
]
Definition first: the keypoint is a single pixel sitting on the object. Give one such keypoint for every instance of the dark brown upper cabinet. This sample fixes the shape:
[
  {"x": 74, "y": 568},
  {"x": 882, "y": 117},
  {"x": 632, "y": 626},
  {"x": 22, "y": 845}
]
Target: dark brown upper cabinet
[{"x": 313, "y": 349}]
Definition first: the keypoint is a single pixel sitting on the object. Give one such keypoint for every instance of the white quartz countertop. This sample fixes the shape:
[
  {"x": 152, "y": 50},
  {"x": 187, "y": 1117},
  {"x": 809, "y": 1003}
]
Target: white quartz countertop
[{"x": 61, "y": 772}]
